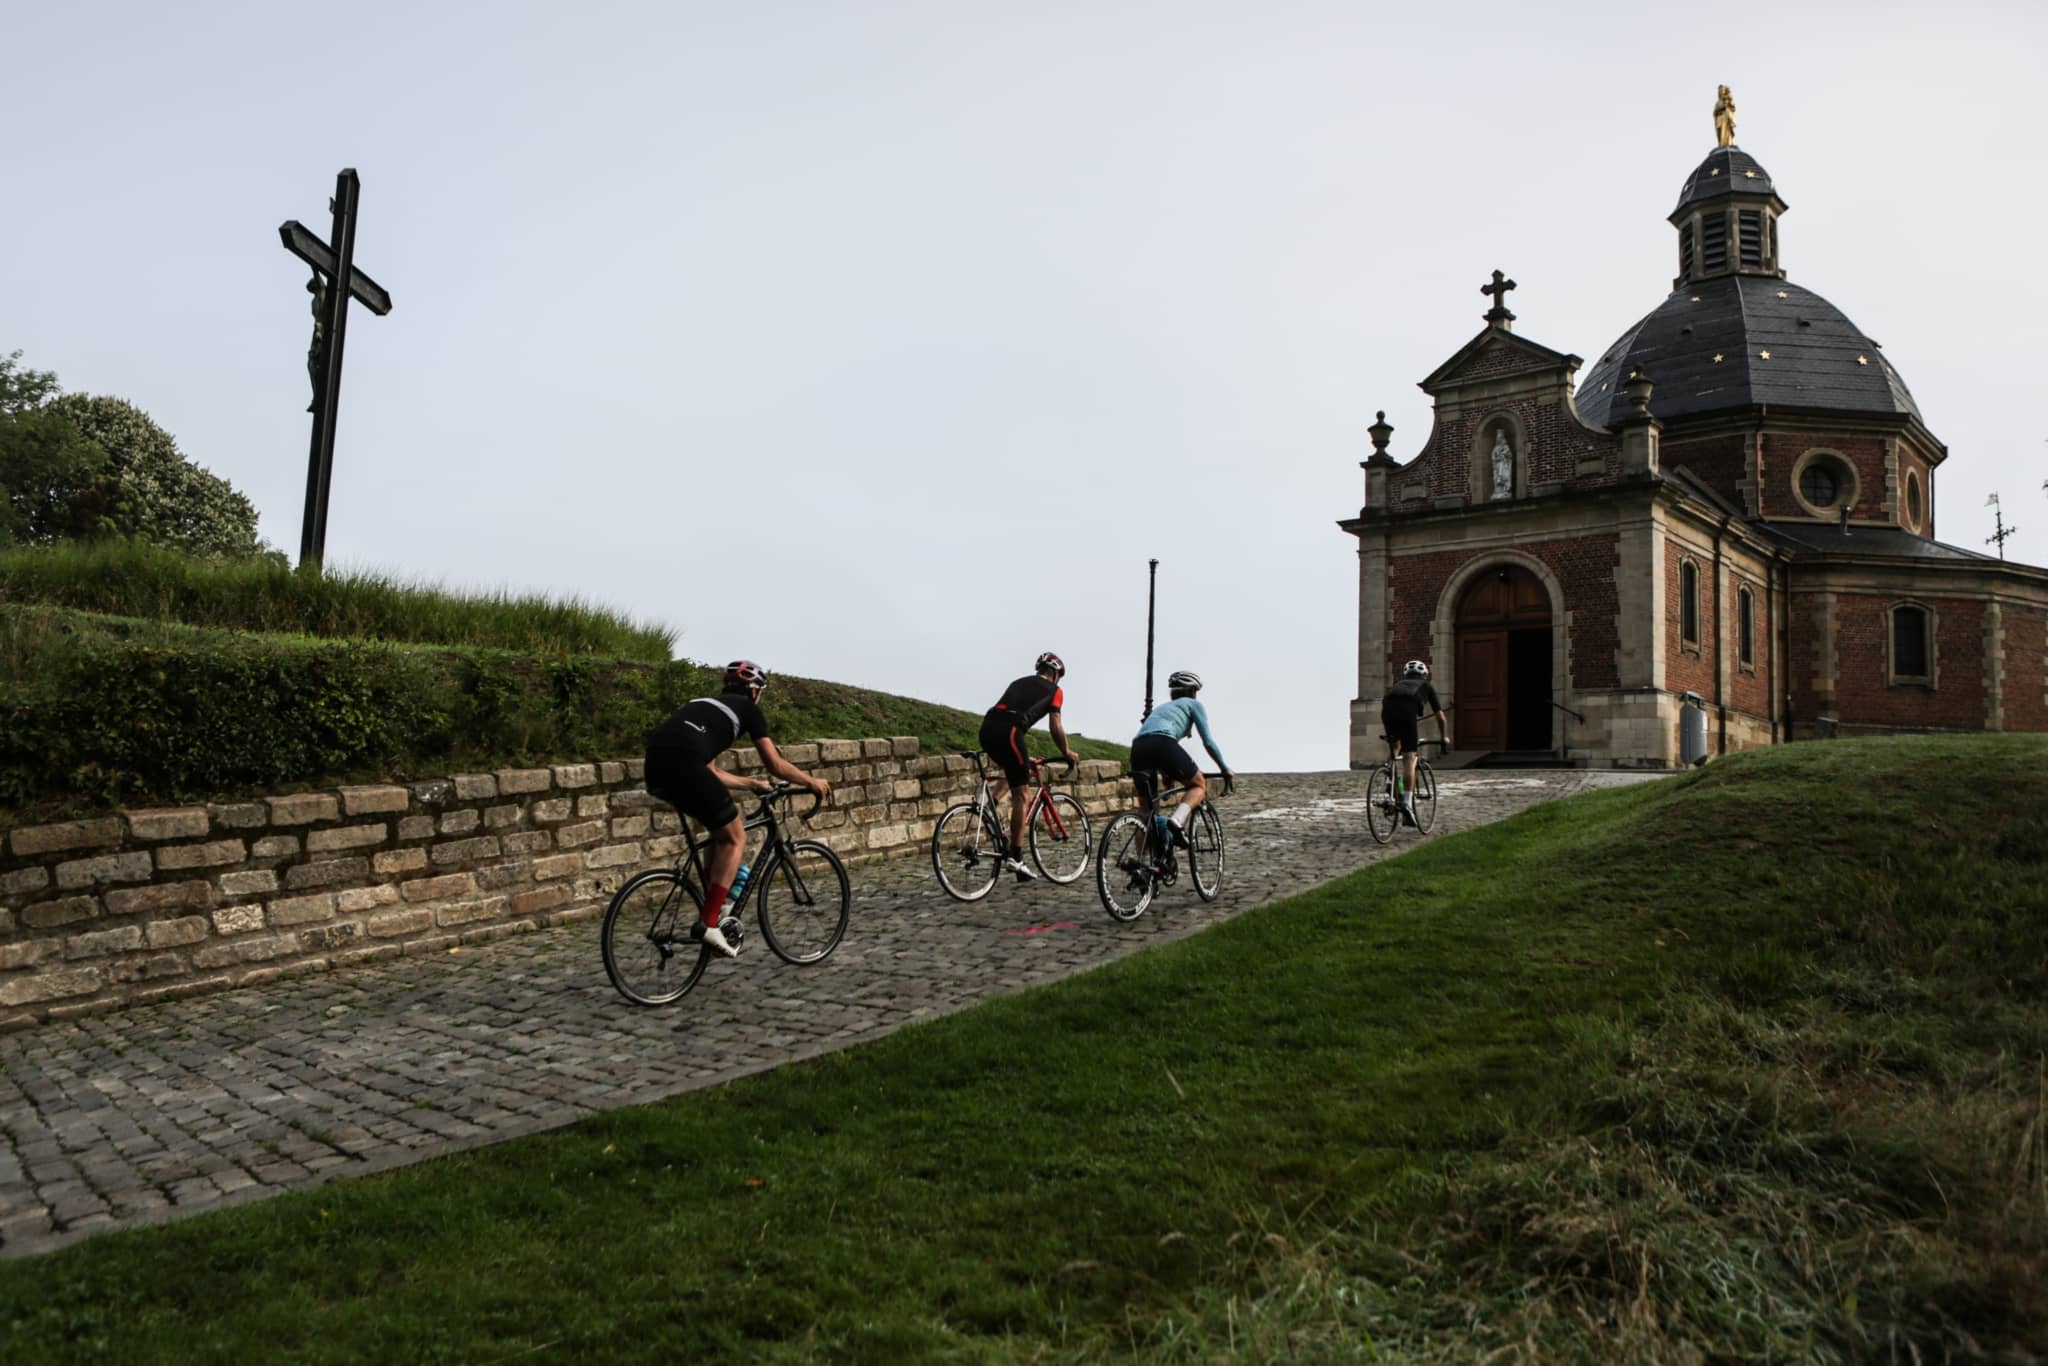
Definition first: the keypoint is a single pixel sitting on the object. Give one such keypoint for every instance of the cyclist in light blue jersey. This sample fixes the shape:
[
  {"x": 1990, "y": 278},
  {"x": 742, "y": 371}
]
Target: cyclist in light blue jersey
[{"x": 1157, "y": 748}]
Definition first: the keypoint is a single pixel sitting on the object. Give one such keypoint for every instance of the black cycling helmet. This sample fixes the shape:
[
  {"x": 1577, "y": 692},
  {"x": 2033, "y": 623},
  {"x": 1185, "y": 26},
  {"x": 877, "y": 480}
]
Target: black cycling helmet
[
  {"x": 746, "y": 673},
  {"x": 1180, "y": 681},
  {"x": 1049, "y": 660}
]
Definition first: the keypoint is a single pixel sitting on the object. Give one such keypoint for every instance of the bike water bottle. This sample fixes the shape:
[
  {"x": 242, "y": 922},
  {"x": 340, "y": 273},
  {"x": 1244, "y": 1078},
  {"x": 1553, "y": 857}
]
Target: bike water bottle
[{"x": 739, "y": 881}]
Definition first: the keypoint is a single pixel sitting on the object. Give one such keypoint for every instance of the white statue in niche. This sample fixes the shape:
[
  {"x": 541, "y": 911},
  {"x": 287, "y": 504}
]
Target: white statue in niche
[{"x": 1503, "y": 466}]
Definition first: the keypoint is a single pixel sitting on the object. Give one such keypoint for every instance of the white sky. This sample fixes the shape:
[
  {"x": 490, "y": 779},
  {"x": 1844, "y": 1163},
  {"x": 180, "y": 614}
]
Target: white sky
[{"x": 884, "y": 342}]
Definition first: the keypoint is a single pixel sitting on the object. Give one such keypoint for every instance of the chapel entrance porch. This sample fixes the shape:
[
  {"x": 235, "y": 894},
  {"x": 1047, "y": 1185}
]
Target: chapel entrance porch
[{"x": 1504, "y": 664}]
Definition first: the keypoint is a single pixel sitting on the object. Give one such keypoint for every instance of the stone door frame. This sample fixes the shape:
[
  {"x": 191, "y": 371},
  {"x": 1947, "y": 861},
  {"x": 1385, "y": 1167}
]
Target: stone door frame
[{"x": 1443, "y": 635}]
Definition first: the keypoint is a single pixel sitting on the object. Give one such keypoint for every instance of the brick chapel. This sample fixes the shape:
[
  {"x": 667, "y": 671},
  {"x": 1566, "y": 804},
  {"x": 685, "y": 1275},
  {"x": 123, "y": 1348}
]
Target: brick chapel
[{"x": 1738, "y": 501}]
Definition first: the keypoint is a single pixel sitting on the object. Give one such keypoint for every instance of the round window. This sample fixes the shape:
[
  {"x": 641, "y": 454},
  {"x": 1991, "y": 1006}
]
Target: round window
[
  {"x": 1820, "y": 484},
  {"x": 1913, "y": 500}
]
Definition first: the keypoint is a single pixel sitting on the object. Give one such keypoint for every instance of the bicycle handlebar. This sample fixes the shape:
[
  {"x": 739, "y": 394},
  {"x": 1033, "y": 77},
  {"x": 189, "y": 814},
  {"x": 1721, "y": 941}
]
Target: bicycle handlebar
[{"x": 782, "y": 789}]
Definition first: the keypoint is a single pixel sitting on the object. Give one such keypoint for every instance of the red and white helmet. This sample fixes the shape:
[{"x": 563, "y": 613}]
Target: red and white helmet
[
  {"x": 748, "y": 672},
  {"x": 1049, "y": 660}
]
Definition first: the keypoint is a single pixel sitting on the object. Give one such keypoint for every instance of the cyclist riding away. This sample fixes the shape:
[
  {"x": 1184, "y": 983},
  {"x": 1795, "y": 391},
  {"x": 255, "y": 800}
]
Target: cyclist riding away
[
  {"x": 1401, "y": 712},
  {"x": 1036, "y": 695},
  {"x": 1158, "y": 748},
  {"x": 682, "y": 771}
]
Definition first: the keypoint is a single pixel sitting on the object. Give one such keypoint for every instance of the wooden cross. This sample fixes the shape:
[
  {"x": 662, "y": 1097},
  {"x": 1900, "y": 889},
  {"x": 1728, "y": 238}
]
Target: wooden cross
[
  {"x": 1498, "y": 315},
  {"x": 331, "y": 262}
]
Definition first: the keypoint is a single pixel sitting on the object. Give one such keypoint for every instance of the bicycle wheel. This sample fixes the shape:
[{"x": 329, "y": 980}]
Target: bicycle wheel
[
  {"x": 1205, "y": 852},
  {"x": 964, "y": 846},
  {"x": 646, "y": 939},
  {"x": 804, "y": 903},
  {"x": 1122, "y": 875},
  {"x": 1381, "y": 815},
  {"x": 1059, "y": 838},
  {"x": 1425, "y": 795}
]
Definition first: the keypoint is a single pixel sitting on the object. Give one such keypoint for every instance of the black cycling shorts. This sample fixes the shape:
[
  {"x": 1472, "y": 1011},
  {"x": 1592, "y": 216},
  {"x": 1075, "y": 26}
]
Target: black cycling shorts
[
  {"x": 1160, "y": 754},
  {"x": 1004, "y": 743},
  {"x": 1404, "y": 730},
  {"x": 690, "y": 787}
]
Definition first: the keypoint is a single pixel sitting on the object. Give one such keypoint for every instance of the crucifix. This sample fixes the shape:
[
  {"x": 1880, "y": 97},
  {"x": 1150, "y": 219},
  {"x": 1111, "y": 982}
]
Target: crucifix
[
  {"x": 1498, "y": 315},
  {"x": 333, "y": 263}
]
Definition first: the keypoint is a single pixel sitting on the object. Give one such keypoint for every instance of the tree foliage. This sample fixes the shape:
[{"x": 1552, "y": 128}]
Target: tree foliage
[{"x": 80, "y": 466}]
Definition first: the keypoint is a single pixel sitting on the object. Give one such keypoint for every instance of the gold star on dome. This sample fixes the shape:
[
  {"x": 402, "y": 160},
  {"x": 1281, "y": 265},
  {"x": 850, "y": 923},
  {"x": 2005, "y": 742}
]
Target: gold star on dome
[
  {"x": 1783, "y": 295},
  {"x": 1749, "y": 175},
  {"x": 1863, "y": 360},
  {"x": 1695, "y": 298},
  {"x": 1765, "y": 354},
  {"x": 1717, "y": 358},
  {"x": 1715, "y": 171}
]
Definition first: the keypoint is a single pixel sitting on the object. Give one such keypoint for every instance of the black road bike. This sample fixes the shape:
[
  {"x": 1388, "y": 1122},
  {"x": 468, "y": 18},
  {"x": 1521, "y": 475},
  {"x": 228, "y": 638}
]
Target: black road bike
[
  {"x": 1384, "y": 790},
  {"x": 802, "y": 907},
  {"x": 1136, "y": 859}
]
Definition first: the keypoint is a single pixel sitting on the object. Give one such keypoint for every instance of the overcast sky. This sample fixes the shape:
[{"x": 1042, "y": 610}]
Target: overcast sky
[{"x": 885, "y": 342}]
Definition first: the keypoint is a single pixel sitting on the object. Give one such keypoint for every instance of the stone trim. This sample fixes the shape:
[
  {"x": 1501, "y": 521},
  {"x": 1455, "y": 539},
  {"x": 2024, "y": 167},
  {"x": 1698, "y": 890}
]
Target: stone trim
[
  {"x": 1931, "y": 680},
  {"x": 1443, "y": 639},
  {"x": 1852, "y": 491},
  {"x": 146, "y": 906}
]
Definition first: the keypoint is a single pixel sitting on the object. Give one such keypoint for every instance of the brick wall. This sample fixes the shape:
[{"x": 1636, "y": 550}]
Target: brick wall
[
  {"x": 1553, "y": 443},
  {"x": 1956, "y": 701},
  {"x": 1689, "y": 667},
  {"x": 1748, "y": 690},
  {"x": 1781, "y": 452},
  {"x": 151, "y": 905},
  {"x": 2025, "y": 669},
  {"x": 1584, "y": 565},
  {"x": 1719, "y": 462}
]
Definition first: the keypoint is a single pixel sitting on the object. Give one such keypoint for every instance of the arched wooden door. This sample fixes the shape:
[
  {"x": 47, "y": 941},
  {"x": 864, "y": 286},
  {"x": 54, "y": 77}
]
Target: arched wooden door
[{"x": 1504, "y": 665}]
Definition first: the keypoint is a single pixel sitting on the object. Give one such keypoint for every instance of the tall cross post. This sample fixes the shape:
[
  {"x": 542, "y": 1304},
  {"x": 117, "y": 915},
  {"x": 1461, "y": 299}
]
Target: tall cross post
[
  {"x": 1498, "y": 315},
  {"x": 1997, "y": 537},
  {"x": 335, "y": 281}
]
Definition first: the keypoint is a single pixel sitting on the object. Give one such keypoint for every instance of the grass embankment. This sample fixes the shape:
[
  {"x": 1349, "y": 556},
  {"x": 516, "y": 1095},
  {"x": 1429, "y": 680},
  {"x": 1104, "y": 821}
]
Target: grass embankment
[
  {"x": 154, "y": 583},
  {"x": 1745, "y": 1064}
]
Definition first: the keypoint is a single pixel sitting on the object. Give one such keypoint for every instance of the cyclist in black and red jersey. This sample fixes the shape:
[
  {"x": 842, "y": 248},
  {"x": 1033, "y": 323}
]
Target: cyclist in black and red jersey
[
  {"x": 1024, "y": 702},
  {"x": 1401, "y": 712},
  {"x": 682, "y": 771}
]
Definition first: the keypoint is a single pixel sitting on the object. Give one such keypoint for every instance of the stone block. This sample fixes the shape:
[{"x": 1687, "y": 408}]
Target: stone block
[
  {"x": 88, "y": 872},
  {"x": 158, "y": 966},
  {"x": 165, "y": 896},
  {"x": 347, "y": 837},
  {"x": 904, "y": 746},
  {"x": 503, "y": 876},
  {"x": 30, "y": 952},
  {"x": 49, "y": 986},
  {"x": 668, "y": 822},
  {"x": 803, "y": 756},
  {"x": 552, "y": 810},
  {"x": 569, "y": 777},
  {"x": 326, "y": 873},
  {"x": 248, "y": 884},
  {"x": 475, "y": 787},
  {"x": 613, "y": 856},
  {"x": 398, "y": 861},
  {"x": 438, "y": 943},
  {"x": 465, "y": 851},
  {"x": 171, "y": 934},
  {"x": 103, "y": 942},
  {"x": 391, "y": 924},
  {"x": 484, "y": 934},
  {"x": 501, "y": 817},
  {"x": 239, "y": 815},
  {"x": 513, "y": 781},
  {"x": 636, "y": 770},
  {"x": 469, "y": 912},
  {"x": 441, "y": 791},
  {"x": 562, "y": 865},
  {"x": 576, "y": 836},
  {"x": 664, "y": 846},
  {"x": 336, "y": 935},
  {"x": 875, "y": 749},
  {"x": 438, "y": 888},
  {"x": 217, "y": 956},
  {"x": 633, "y": 799},
  {"x": 238, "y": 919},
  {"x": 887, "y": 836},
  {"x": 611, "y": 773},
  {"x": 527, "y": 842},
  {"x": 22, "y": 881},
  {"x": 572, "y": 915},
  {"x": 274, "y": 847},
  {"x": 170, "y": 823},
  {"x": 596, "y": 804},
  {"x": 540, "y": 899},
  {"x": 300, "y": 910},
  {"x": 355, "y": 958},
  {"x": 869, "y": 815},
  {"x": 304, "y": 808},
  {"x": 173, "y": 858},
  {"x": 838, "y": 751},
  {"x": 355, "y": 900},
  {"x": 374, "y": 800},
  {"x": 51, "y": 839},
  {"x": 629, "y": 827},
  {"x": 461, "y": 822},
  {"x": 906, "y": 789},
  {"x": 416, "y": 828}
]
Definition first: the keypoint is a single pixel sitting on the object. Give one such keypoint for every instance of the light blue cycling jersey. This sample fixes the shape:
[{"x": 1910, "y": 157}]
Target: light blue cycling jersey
[{"x": 1175, "y": 718}]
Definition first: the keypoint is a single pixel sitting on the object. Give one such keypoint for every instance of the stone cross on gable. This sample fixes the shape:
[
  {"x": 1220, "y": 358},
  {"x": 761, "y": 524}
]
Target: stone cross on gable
[{"x": 1498, "y": 315}]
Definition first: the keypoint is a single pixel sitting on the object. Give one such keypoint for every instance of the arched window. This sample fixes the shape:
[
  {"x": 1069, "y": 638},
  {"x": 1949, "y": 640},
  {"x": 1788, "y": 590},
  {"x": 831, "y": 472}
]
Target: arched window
[
  {"x": 1912, "y": 640},
  {"x": 1688, "y": 603},
  {"x": 1745, "y": 628}
]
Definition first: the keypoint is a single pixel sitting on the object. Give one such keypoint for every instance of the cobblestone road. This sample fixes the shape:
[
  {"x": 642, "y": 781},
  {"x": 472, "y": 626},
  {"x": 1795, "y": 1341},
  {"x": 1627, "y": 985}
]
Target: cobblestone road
[{"x": 152, "y": 1113}]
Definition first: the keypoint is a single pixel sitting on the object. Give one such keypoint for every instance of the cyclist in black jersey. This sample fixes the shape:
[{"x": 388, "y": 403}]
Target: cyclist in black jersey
[
  {"x": 1023, "y": 703},
  {"x": 682, "y": 771},
  {"x": 1401, "y": 712}
]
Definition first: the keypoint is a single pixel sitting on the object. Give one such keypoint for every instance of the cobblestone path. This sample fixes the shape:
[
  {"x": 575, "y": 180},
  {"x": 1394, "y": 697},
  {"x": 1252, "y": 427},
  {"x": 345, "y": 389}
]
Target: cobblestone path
[{"x": 151, "y": 1113}]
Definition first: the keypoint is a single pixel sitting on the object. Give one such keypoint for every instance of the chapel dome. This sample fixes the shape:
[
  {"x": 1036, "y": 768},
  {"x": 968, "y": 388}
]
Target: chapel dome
[
  {"x": 1727, "y": 170},
  {"x": 1740, "y": 341}
]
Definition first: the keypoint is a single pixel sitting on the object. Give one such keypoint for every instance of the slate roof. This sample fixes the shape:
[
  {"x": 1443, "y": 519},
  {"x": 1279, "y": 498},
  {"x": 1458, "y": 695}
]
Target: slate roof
[
  {"x": 1890, "y": 541},
  {"x": 1727, "y": 170},
  {"x": 1819, "y": 360}
]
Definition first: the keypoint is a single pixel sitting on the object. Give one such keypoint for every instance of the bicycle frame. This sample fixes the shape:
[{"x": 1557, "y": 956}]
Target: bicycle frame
[
  {"x": 985, "y": 801},
  {"x": 690, "y": 864}
]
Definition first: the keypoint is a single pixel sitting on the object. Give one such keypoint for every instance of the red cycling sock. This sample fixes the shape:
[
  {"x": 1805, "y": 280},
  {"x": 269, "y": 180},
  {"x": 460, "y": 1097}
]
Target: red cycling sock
[{"x": 714, "y": 902}]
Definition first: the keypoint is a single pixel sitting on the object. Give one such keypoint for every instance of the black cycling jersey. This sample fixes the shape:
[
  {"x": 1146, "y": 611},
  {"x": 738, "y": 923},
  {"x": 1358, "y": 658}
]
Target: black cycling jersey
[
  {"x": 1027, "y": 701},
  {"x": 703, "y": 729},
  {"x": 1411, "y": 699}
]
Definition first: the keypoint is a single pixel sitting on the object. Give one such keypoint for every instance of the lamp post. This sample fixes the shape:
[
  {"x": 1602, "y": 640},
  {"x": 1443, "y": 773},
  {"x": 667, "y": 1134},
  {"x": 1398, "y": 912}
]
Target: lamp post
[{"x": 1151, "y": 601}]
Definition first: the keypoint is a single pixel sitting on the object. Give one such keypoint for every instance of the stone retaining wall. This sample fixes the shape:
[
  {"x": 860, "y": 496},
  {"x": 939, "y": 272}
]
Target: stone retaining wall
[{"x": 150, "y": 905}]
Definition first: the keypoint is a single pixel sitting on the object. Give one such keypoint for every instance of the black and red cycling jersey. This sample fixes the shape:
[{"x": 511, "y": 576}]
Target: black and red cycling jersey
[{"x": 1027, "y": 702}]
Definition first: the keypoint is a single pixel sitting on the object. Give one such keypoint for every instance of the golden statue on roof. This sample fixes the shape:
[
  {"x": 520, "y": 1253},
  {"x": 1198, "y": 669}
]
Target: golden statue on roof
[{"x": 1724, "y": 119}]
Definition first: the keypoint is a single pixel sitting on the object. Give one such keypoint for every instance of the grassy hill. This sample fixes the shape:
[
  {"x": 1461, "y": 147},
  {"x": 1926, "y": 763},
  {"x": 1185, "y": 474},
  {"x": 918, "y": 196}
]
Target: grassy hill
[{"x": 1745, "y": 1064}]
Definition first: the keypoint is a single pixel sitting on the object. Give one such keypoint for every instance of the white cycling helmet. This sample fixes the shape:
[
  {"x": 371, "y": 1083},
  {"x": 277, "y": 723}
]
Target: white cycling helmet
[
  {"x": 1415, "y": 668},
  {"x": 1180, "y": 680}
]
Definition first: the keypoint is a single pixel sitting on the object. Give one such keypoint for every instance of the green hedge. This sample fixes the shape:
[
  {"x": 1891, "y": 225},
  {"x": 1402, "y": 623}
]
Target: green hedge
[
  {"x": 136, "y": 579},
  {"x": 98, "y": 710}
]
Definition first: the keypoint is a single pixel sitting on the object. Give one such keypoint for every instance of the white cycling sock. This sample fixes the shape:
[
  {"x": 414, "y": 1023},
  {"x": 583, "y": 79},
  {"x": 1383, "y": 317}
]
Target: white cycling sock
[{"x": 1180, "y": 817}]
